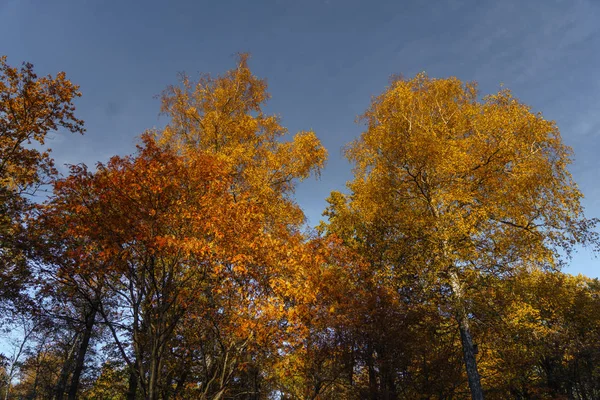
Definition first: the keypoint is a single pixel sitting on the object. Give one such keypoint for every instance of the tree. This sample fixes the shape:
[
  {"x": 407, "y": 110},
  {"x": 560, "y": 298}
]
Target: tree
[
  {"x": 26, "y": 328},
  {"x": 71, "y": 286},
  {"x": 70, "y": 299},
  {"x": 224, "y": 116},
  {"x": 400, "y": 335},
  {"x": 544, "y": 344},
  {"x": 174, "y": 247},
  {"x": 184, "y": 249},
  {"x": 111, "y": 384},
  {"x": 30, "y": 108},
  {"x": 465, "y": 189},
  {"x": 145, "y": 227}
]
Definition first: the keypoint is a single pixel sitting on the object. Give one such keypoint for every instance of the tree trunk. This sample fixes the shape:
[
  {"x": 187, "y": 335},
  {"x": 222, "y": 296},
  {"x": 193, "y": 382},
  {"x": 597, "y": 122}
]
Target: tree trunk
[
  {"x": 152, "y": 380},
  {"x": 469, "y": 357},
  {"x": 61, "y": 385},
  {"x": 386, "y": 377},
  {"x": 156, "y": 360},
  {"x": 132, "y": 387},
  {"x": 90, "y": 321},
  {"x": 373, "y": 387},
  {"x": 466, "y": 339}
]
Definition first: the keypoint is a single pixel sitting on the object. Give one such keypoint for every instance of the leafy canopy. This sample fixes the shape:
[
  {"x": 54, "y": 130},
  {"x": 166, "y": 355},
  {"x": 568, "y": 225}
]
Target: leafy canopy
[{"x": 482, "y": 184}]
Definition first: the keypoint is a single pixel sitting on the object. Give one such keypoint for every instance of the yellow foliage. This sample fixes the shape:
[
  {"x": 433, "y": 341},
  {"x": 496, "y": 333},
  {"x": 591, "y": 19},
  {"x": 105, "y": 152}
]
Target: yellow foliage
[
  {"x": 482, "y": 184},
  {"x": 224, "y": 116}
]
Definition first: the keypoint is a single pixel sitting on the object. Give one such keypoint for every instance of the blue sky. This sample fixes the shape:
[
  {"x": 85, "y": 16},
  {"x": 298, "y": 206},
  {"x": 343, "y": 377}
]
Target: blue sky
[{"x": 323, "y": 60}]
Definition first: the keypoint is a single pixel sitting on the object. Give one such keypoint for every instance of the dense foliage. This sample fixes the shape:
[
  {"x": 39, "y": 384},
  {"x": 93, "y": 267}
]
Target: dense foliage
[{"x": 183, "y": 270}]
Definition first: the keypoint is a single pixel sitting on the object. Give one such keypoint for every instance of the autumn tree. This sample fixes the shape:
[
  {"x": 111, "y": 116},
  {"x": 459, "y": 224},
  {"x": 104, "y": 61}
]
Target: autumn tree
[
  {"x": 111, "y": 384},
  {"x": 322, "y": 297},
  {"x": 540, "y": 332},
  {"x": 142, "y": 226},
  {"x": 464, "y": 188},
  {"x": 401, "y": 345},
  {"x": 70, "y": 298},
  {"x": 224, "y": 116},
  {"x": 30, "y": 108},
  {"x": 175, "y": 248},
  {"x": 182, "y": 248}
]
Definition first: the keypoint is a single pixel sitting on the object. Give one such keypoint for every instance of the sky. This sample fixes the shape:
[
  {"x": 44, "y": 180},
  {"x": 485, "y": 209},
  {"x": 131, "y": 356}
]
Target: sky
[{"x": 323, "y": 61}]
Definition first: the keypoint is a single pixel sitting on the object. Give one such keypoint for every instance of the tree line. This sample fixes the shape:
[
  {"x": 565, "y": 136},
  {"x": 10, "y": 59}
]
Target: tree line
[{"x": 184, "y": 270}]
